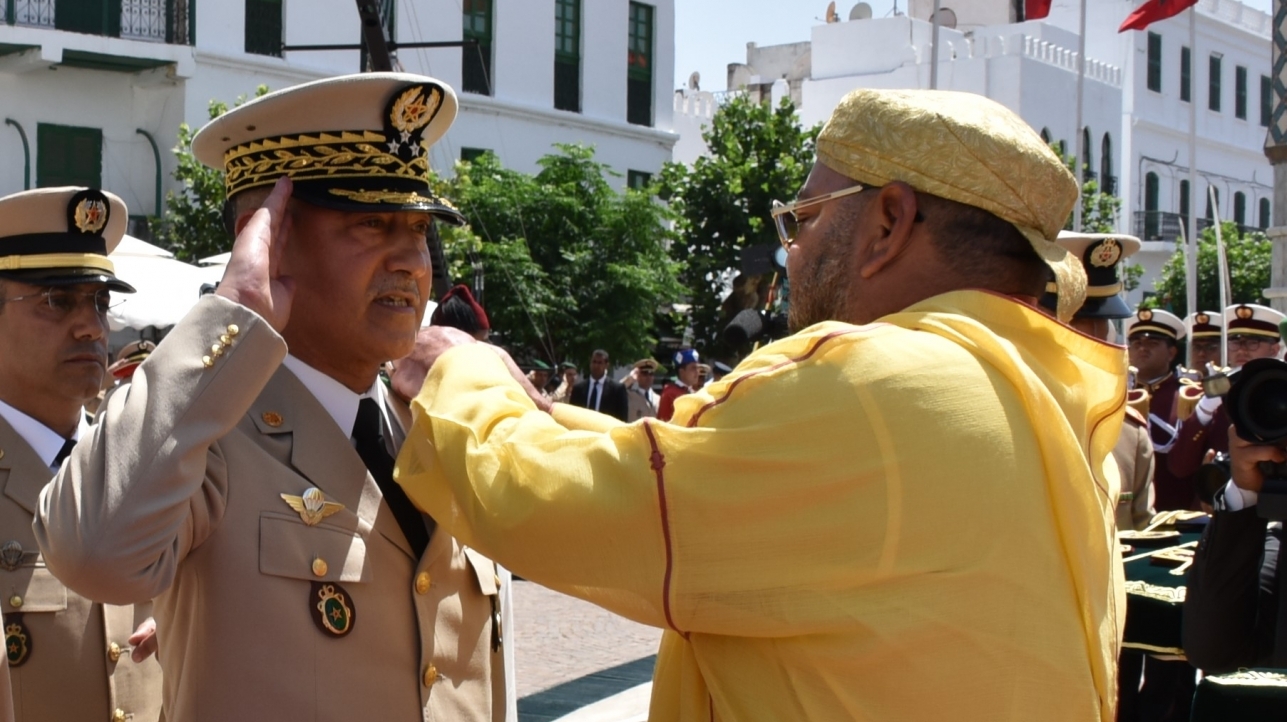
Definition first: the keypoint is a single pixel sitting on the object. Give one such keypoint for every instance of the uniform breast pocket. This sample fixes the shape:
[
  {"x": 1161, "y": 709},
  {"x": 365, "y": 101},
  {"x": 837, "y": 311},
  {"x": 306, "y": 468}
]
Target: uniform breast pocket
[
  {"x": 319, "y": 553},
  {"x": 33, "y": 589}
]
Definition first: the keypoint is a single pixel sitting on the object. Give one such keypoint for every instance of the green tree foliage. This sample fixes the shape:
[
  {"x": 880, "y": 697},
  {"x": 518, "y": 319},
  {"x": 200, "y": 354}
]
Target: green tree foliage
[
  {"x": 1249, "y": 256},
  {"x": 192, "y": 227},
  {"x": 571, "y": 264},
  {"x": 757, "y": 154}
]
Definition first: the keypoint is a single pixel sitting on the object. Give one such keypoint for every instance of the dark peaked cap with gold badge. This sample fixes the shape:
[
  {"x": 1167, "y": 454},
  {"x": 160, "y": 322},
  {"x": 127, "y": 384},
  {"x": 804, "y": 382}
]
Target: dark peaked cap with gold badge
[
  {"x": 1101, "y": 255},
  {"x": 352, "y": 143},
  {"x": 61, "y": 236}
]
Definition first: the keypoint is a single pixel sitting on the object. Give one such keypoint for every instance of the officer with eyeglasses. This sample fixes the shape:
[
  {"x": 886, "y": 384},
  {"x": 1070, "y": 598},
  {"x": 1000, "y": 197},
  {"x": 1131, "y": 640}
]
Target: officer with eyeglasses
[
  {"x": 69, "y": 658},
  {"x": 1253, "y": 333}
]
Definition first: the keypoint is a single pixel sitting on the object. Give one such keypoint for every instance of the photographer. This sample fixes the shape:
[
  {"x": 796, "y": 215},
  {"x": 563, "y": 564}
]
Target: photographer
[{"x": 1231, "y": 614}]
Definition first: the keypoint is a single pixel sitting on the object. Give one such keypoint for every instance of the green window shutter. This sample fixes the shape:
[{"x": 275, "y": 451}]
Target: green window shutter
[
  {"x": 567, "y": 55},
  {"x": 1155, "y": 62},
  {"x": 264, "y": 27},
  {"x": 1240, "y": 92},
  {"x": 1186, "y": 75},
  {"x": 1213, "y": 86},
  {"x": 476, "y": 62},
  {"x": 640, "y": 58},
  {"x": 68, "y": 156},
  {"x": 1266, "y": 100}
]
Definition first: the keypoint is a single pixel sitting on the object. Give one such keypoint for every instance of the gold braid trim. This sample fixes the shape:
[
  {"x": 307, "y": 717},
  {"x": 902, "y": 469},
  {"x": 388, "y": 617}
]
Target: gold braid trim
[
  {"x": 339, "y": 154},
  {"x": 1173, "y": 595},
  {"x": 365, "y": 196},
  {"x": 57, "y": 260}
]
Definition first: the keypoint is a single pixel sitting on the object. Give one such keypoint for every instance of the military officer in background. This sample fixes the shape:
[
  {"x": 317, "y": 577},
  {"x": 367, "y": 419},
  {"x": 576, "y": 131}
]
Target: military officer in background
[
  {"x": 1253, "y": 334},
  {"x": 1204, "y": 345},
  {"x": 1101, "y": 255},
  {"x": 1153, "y": 343},
  {"x": 244, "y": 479},
  {"x": 643, "y": 400},
  {"x": 69, "y": 658}
]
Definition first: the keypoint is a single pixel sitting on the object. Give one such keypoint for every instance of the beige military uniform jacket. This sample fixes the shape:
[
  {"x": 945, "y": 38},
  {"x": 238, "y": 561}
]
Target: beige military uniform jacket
[
  {"x": 1134, "y": 456},
  {"x": 69, "y": 656},
  {"x": 178, "y": 496}
]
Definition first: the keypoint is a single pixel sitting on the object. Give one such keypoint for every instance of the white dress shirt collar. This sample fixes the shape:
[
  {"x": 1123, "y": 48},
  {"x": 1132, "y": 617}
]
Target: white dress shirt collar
[
  {"x": 43, "y": 440},
  {"x": 340, "y": 402}
]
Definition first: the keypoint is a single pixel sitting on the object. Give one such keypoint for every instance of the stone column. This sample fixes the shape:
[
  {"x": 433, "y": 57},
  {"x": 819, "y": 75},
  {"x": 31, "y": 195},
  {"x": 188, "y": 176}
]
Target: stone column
[{"x": 1276, "y": 151}]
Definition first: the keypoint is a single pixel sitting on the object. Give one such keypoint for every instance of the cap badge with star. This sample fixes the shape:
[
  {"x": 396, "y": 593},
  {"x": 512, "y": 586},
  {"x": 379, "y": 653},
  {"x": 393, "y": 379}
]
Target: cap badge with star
[
  {"x": 1099, "y": 254},
  {"x": 62, "y": 236},
  {"x": 352, "y": 143}
]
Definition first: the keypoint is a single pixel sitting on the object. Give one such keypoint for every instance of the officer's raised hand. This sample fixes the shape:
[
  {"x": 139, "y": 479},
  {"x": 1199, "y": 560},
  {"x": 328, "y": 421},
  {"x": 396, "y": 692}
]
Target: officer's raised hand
[{"x": 253, "y": 277}]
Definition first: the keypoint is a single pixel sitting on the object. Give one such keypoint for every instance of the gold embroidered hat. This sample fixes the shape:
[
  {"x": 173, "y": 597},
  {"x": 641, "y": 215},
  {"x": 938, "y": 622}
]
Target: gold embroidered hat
[
  {"x": 1156, "y": 323},
  {"x": 1252, "y": 319},
  {"x": 61, "y": 236},
  {"x": 352, "y": 143},
  {"x": 965, "y": 148},
  {"x": 1100, "y": 255}
]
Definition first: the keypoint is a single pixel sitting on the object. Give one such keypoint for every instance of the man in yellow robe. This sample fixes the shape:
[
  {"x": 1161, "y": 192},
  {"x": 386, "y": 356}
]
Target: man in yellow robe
[{"x": 901, "y": 512}]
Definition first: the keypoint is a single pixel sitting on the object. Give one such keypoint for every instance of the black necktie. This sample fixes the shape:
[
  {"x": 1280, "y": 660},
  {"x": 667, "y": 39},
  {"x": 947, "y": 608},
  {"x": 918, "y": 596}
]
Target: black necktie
[
  {"x": 597, "y": 393},
  {"x": 368, "y": 432},
  {"x": 64, "y": 452}
]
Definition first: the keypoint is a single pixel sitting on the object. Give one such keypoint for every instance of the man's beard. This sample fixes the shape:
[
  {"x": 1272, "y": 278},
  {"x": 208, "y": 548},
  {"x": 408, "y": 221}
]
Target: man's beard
[{"x": 820, "y": 291}]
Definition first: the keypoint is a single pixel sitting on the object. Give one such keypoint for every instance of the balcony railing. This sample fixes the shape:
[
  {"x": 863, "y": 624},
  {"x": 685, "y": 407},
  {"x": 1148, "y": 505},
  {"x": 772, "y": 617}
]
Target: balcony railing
[
  {"x": 1165, "y": 226},
  {"x": 159, "y": 21}
]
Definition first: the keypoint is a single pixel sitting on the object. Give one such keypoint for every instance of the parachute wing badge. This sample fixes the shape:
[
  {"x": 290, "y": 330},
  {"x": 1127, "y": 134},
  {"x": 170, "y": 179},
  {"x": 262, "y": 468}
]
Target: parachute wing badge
[{"x": 312, "y": 506}]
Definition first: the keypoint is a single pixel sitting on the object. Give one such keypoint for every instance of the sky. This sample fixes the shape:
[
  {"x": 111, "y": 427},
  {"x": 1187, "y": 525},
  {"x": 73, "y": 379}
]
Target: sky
[{"x": 710, "y": 34}]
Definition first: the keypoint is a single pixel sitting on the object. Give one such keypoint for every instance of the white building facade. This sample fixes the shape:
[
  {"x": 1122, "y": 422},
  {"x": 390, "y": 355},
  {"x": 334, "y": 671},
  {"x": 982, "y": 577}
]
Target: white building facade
[
  {"x": 89, "y": 88},
  {"x": 1135, "y": 120}
]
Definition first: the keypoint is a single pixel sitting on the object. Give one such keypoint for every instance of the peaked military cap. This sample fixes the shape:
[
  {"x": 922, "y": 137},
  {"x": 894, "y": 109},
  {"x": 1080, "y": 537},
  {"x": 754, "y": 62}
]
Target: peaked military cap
[
  {"x": 1101, "y": 255},
  {"x": 62, "y": 236},
  {"x": 1252, "y": 319},
  {"x": 1155, "y": 322},
  {"x": 352, "y": 143},
  {"x": 1205, "y": 324}
]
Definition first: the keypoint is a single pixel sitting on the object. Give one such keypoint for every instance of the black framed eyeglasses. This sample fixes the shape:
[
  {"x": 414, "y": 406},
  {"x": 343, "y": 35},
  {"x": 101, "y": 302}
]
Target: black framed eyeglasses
[{"x": 62, "y": 302}]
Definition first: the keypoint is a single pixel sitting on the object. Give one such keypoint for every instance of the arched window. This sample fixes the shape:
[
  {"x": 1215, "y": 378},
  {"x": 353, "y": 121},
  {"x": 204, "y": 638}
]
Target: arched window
[
  {"x": 1151, "y": 216},
  {"x": 1107, "y": 183},
  {"x": 1087, "y": 158},
  {"x": 1264, "y": 212},
  {"x": 1212, "y": 190},
  {"x": 1240, "y": 208},
  {"x": 1045, "y": 135},
  {"x": 1185, "y": 199}
]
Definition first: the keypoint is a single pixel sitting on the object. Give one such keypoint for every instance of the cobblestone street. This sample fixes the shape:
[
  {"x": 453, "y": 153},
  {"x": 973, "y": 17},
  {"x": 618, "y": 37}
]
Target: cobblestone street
[{"x": 560, "y": 642}]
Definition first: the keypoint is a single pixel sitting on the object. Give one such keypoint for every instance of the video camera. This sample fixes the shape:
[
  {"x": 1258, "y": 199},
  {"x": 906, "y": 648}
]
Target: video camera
[
  {"x": 1255, "y": 397},
  {"x": 751, "y": 325}
]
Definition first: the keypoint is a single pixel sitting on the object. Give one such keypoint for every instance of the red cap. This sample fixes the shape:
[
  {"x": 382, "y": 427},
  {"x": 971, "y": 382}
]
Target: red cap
[{"x": 445, "y": 315}]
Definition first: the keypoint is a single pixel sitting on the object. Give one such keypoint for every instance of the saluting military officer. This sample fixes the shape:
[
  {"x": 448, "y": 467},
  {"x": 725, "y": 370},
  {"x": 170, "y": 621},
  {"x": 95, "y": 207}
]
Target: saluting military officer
[
  {"x": 1101, "y": 255},
  {"x": 244, "y": 477},
  {"x": 69, "y": 658}
]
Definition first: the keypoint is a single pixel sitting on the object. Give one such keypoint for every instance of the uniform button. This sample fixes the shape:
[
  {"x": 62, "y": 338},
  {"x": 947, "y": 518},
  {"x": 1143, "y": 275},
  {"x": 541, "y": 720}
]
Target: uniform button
[
  {"x": 207, "y": 361},
  {"x": 431, "y": 675},
  {"x": 319, "y": 567},
  {"x": 118, "y": 715},
  {"x": 15, "y": 601},
  {"x": 114, "y": 652},
  {"x": 422, "y": 583},
  {"x": 233, "y": 330}
]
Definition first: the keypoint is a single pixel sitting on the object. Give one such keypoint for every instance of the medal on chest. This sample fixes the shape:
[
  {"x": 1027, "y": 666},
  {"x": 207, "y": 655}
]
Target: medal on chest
[
  {"x": 17, "y": 641},
  {"x": 332, "y": 608}
]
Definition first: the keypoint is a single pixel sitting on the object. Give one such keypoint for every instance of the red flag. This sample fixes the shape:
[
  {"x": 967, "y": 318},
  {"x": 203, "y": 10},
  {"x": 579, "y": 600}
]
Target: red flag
[
  {"x": 1152, "y": 11},
  {"x": 1035, "y": 9}
]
